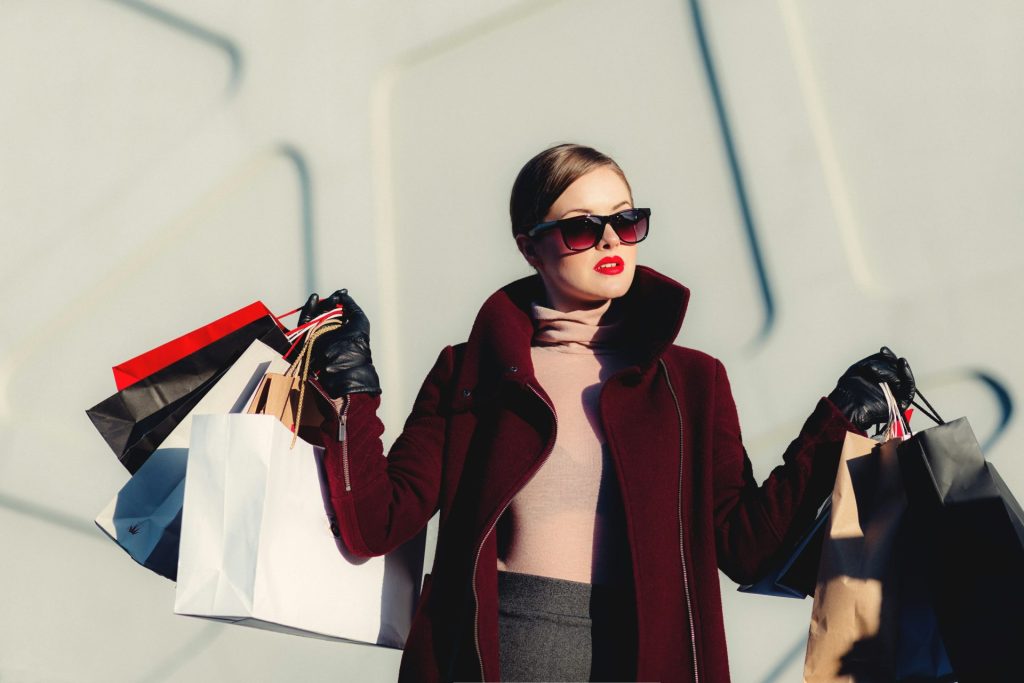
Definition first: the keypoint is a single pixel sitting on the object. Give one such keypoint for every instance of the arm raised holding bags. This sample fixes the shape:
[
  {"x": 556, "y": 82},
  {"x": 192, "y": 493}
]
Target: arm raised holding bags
[
  {"x": 380, "y": 502},
  {"x": 570, "y": 440}
]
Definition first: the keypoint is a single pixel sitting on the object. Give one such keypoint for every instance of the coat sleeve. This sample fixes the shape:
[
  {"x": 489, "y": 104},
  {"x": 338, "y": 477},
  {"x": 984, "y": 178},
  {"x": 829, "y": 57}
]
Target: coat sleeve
[
  {"x": 753, "y": 523},
  {"x": 381, "y": 502}
]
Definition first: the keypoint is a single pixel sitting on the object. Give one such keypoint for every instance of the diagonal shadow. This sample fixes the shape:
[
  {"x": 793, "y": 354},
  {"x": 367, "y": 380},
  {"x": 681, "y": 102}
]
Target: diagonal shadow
[
  {"x": 739, "y": 186},
  {"x": 179, "y": 23},
  {"x": 176, "y": 658},
  {"x": 30, "y": 508},
  {"x": 298, "y": 159}
]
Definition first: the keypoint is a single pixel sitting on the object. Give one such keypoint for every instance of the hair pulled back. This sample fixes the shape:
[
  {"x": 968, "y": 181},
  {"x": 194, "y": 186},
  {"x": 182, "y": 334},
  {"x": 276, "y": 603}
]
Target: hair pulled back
[{"x": 546, "y": 176}]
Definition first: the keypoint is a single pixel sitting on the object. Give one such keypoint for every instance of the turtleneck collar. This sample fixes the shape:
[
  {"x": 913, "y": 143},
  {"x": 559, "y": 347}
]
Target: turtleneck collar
[
  {"x": 654, "y": 309},
  {"x": 595, "y": 330}
]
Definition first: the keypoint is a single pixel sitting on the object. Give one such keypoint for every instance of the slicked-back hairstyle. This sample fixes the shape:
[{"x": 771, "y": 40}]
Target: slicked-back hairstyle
[{"x": 546, "y": 176}]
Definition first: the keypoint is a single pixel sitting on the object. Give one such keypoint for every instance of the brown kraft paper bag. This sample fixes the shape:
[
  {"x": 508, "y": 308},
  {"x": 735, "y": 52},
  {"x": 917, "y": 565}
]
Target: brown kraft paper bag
[
  {"x": 284, "y": 395},
  {"x": 854, "y": 618},
  {"x": 278, "y": 395}
]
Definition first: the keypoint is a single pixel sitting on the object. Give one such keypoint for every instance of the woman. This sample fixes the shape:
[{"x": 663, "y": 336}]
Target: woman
[{"x": 589, "y": 474}]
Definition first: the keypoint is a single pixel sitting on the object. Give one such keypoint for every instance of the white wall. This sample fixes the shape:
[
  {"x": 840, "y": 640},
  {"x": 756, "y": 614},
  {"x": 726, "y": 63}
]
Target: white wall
[{"x": 163, "y": 163}]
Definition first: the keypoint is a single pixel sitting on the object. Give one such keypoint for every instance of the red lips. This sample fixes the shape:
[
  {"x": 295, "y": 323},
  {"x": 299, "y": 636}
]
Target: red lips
[{"x": 610, "y": 265}]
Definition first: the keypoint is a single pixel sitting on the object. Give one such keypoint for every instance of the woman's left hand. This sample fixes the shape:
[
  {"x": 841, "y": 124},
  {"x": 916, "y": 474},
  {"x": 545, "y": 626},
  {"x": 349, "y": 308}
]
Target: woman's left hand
[
  {"x": 858, "y": 394},
  {"x": 341, "y": 358}
]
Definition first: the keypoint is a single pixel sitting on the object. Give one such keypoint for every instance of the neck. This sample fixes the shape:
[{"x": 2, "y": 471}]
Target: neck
[
  {"x": 588, "y": 330},
  {"x": 564, "y": 305}
]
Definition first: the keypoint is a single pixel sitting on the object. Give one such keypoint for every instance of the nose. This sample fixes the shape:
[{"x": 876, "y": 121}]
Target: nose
[{"x": 609, "y": 238}]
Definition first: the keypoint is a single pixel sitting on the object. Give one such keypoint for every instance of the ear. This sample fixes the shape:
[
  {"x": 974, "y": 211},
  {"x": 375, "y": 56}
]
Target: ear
[{"x": 528, "y": 248}]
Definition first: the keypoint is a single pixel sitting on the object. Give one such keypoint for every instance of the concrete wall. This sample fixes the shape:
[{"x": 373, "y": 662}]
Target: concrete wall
[{"x": 826, "y": 177}]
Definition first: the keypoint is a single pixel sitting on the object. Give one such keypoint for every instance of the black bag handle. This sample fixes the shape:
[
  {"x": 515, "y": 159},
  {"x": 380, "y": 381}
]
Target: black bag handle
[{"x": 933, "y": 415}]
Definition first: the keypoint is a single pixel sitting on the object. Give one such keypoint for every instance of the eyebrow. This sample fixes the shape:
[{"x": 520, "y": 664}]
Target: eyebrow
[{"x": 586, "y": 211}]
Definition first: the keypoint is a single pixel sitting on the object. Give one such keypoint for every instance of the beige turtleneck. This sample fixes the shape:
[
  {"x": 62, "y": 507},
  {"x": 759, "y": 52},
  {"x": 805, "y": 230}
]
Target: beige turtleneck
[{"x": 567, "y": 522}]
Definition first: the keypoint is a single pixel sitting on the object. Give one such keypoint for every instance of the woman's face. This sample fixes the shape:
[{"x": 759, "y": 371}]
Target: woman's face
[{"x": 573, "y": 279}]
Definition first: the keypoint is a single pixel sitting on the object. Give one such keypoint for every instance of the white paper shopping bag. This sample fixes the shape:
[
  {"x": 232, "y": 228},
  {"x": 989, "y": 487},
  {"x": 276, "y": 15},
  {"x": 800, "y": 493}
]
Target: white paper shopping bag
[
  {"x": 144, "y": 517},
  {"x": 257, "y": 546}
]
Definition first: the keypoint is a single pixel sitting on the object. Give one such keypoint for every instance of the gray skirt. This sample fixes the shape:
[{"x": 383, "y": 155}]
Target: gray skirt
[{"x": 557, "y": 630}]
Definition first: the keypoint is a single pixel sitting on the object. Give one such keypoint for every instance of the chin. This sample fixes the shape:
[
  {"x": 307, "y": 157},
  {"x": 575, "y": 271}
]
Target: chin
[
  {"x": 616, "y": 287},
  {"x": 585, "y": 289}
]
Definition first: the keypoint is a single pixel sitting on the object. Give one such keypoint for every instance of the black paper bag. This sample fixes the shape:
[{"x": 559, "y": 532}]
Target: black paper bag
[
  {"x": 972, "y": 539},
  {"x": 135, "y": 420},
  {"x": 796, "y": 575}
]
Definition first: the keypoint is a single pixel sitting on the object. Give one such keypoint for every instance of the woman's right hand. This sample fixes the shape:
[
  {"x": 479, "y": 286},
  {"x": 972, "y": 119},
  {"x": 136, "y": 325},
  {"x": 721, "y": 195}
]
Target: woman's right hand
[{"x": 341, "y": 357}]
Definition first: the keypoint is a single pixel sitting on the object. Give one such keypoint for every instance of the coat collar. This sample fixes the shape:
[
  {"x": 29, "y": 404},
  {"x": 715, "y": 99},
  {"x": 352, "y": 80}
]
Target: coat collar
[{"x": 502, "y": 332}]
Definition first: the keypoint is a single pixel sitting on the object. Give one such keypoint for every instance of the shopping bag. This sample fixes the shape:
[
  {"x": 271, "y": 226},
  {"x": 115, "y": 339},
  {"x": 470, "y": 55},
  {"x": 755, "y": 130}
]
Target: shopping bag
[
  {"x": 796, "y": 575},
  {"x": 920, "y": 652},
  {"x": 144, "y": 518},
  {"x": 283, "y": 395},
  {"x": 852, "y": 634},
  {"x": 144, "y": 365},
  {"x": 136, "y": 420},
  {"x": 971, "y": 530},
  {"x": 257, "y": 546},
  {"x": 854, "y": 617}
]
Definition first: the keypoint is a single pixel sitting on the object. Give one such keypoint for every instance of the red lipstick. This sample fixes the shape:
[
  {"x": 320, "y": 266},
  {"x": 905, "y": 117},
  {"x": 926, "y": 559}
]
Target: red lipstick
[{"x": 610, "y": 265}]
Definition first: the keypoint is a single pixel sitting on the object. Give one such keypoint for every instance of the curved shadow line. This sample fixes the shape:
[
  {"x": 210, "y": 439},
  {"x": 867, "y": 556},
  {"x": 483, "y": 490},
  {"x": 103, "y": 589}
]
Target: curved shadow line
[
  {"x": 383, "y": 176},
  {"x": 737, "y": 175},
  {"x": 1005, "y": 405},
  {"x": 306, "y": 190},
  {"x": 196, "y": 31}
]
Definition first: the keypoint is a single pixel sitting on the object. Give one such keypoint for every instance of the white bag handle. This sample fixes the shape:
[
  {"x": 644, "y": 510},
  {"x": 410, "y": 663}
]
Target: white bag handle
[
  {"x": 897, "y": 428},
  {"x": 314, "y": 322}
]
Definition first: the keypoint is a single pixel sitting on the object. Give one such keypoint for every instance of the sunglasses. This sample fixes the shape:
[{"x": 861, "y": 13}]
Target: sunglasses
[{"x": 580, "y": 233}]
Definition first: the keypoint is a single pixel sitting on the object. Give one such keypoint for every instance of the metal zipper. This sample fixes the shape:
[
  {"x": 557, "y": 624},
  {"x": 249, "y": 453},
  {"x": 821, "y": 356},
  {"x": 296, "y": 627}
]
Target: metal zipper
[
  {"x": 679, "y": 503},
  {"x": 343, "y": 439},
  {"x": 504, "y": 506},
  {"x": 342, "y": 429}
]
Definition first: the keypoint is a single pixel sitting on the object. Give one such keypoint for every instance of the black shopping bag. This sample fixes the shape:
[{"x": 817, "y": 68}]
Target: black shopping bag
[
  {"x": 135, "y": 420},
  {"x": 920, "y": 653},
  {"x": 144, "y": 518},
  {"x": 797, "y": 573},
  {"x": 971, "y": 532}
]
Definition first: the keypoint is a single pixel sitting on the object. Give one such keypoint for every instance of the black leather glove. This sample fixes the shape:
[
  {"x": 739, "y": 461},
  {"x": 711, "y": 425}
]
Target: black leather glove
[
  {"x": 341, "y": 357},
  {"x": 858, "y": 396}
]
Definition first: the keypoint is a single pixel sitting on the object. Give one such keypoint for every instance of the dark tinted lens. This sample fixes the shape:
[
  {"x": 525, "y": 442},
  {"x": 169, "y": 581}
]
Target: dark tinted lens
[
  {"x": 579, "y": 233},
  {"x": 630, "y": 226}
]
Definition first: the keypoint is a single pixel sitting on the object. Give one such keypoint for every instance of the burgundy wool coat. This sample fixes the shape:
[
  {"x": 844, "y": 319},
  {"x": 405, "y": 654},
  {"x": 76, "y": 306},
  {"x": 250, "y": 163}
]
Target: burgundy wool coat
[{"x": 481, "y": 426}]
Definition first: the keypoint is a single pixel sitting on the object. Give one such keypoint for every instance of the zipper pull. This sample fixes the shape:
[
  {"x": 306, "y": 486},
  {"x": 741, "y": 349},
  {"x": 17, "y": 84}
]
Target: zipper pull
[{"x": 342, "y": 429}]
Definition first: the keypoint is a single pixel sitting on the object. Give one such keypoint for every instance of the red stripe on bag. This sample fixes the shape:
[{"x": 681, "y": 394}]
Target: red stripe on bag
[{"x": 144, "y": 365}]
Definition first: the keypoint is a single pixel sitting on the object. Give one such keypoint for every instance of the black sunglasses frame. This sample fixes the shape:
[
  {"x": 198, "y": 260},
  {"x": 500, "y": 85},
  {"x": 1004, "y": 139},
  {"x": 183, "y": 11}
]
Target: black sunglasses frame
[{"x": 619, "y": 221}]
